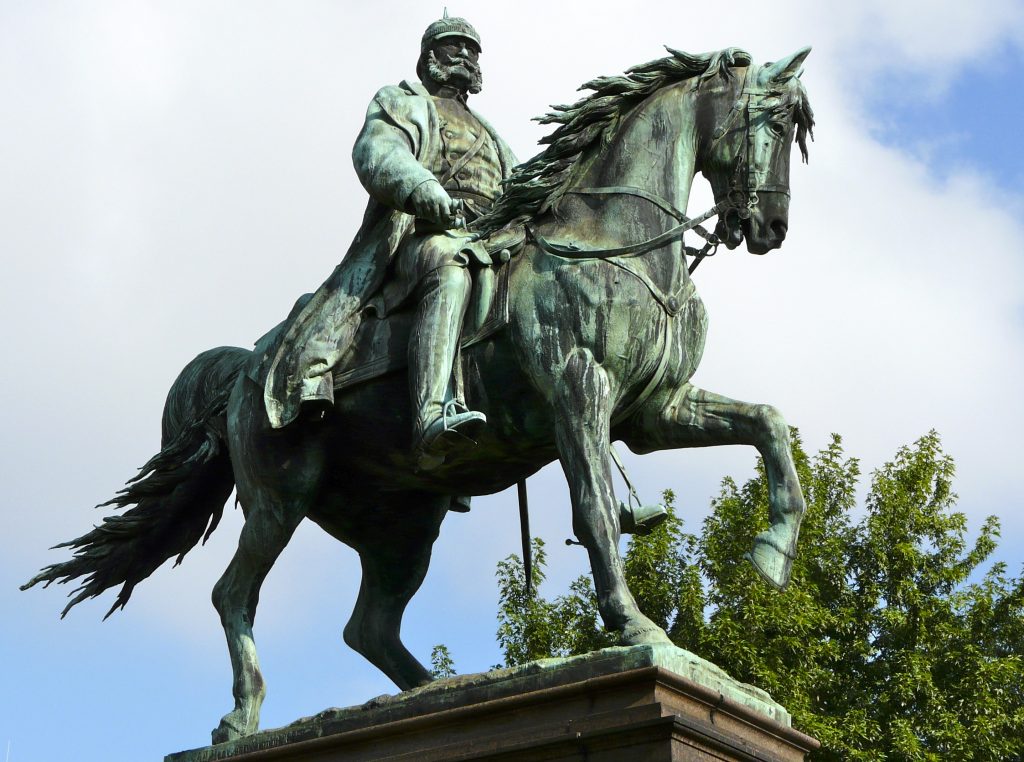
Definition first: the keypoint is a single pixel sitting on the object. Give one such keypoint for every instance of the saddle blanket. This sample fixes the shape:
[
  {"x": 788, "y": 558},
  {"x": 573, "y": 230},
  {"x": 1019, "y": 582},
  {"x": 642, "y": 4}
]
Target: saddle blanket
[{"x": 382, "y": 339}]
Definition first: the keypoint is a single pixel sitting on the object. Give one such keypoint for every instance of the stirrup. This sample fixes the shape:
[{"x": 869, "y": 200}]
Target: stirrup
[
  {"x": 641, "y": 519},
  {"x": 317, "y": 400},
  {"x": 456, "y": 425}
]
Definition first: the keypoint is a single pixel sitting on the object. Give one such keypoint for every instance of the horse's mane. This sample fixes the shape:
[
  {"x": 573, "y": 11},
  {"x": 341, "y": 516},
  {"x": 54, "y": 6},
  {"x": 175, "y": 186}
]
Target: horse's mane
[{"x": 538, "y": 183}]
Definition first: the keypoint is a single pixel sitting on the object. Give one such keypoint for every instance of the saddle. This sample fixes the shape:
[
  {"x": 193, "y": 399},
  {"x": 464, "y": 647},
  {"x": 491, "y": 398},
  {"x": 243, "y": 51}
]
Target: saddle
[
  {"x": 381, "y": 343},
  {"x": 382, "y": 340}
]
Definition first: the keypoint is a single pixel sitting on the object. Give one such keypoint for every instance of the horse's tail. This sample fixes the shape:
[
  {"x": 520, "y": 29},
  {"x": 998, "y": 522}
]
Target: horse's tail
[{"x": 178, "y": 496}]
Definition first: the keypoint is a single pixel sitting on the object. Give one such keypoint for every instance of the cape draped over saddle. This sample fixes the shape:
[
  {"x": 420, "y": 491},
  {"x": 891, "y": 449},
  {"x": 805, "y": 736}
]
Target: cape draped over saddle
[{"x": 399, "y": 140}]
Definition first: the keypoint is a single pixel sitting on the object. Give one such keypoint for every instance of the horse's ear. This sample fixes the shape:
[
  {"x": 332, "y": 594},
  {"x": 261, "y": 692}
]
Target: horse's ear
[{"x": 780, "y": 72}]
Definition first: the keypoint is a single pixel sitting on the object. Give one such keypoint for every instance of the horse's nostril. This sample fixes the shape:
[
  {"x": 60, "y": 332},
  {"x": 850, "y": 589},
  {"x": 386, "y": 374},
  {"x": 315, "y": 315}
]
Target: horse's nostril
[{"x": 779, "y": 229}]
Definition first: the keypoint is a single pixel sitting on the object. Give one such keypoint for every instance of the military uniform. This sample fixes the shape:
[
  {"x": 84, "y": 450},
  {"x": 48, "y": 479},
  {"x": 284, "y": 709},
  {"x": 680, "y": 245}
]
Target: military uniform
[
  {"x": 409, "y": 137},
  {"x": 476, "y": 181}
]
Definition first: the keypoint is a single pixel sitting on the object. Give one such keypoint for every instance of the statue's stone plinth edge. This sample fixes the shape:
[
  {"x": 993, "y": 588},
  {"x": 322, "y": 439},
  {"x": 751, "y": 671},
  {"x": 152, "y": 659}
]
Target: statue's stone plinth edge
[{"x": 612, "y": 704}]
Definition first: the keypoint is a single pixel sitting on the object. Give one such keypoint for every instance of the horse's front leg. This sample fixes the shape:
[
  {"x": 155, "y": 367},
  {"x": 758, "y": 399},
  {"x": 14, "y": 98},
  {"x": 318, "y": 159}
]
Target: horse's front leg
[
  {"x": 582, "y": 427},
  {"x": 692, "y": 417}
]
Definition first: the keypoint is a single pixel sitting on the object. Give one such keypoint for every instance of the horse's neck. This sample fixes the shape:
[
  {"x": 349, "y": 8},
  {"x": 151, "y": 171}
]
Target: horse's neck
[{"x": 654, "y": 149}]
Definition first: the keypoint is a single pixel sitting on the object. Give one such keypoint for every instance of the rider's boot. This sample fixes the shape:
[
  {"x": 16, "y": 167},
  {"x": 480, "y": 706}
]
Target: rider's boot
[{"x": 441, "y": 426}]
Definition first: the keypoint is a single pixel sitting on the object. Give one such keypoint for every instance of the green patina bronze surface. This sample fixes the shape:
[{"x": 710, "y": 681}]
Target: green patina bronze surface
[{"x": 583, "y": 327}]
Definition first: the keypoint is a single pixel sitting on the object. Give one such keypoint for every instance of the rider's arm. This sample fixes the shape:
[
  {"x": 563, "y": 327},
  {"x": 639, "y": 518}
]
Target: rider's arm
[{"x": 385, "y": 151}]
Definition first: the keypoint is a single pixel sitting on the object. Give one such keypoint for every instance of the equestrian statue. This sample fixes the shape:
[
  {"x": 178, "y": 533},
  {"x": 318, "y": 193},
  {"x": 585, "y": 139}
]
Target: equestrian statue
[{"x": 488, "y": 319}]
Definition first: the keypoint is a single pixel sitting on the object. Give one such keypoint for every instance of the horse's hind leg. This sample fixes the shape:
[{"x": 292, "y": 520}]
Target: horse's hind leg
[
  {"x": 692, "y": 417},
  {"x": 582, "y": 435},
  {"x": 268, "y": 527},
  {"x": 394, "y": 546}
]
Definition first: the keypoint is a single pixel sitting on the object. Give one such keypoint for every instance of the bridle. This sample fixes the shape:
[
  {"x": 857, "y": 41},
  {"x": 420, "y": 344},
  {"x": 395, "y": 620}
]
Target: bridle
[
  {"x": 740, "y": 198},
  {"x": 747, "y": 180}
]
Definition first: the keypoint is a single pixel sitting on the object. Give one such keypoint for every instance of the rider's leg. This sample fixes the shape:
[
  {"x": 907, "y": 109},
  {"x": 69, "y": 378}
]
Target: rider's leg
[{"x": 442, "y": 298}]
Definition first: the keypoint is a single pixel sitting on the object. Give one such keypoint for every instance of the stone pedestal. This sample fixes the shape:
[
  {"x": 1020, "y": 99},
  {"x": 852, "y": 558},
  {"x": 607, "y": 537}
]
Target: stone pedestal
[{"x": 643, "y": 703}]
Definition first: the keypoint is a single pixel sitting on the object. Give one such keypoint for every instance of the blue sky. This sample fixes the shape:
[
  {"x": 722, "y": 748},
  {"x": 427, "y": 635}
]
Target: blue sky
[
  {"x": 971, "y": 123},
  {"x": 173, "y": 175}
]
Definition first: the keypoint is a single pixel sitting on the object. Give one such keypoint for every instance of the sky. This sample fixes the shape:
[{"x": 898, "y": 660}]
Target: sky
[{"x": 174, "y": 174}]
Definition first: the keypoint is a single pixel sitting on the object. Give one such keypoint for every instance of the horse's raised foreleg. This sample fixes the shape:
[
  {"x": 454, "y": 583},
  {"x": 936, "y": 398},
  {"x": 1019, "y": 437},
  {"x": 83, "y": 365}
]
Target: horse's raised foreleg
[
  {"x": 582, "y": 435},
  {"x": 394, "y": 547},
  {"x": 692, "y": 417}
]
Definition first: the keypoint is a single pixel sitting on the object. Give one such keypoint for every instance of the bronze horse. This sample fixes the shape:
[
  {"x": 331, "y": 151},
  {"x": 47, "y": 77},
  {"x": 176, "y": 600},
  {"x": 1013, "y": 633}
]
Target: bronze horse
[{"x": 605, "y": 330}]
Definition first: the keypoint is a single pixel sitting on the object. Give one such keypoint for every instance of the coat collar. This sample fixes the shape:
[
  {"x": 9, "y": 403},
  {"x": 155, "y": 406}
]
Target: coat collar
[{"x": 416, "y": 88}]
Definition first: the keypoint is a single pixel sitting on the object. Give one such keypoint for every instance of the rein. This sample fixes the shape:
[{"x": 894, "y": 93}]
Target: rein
[{"x": 671, "y": 235}]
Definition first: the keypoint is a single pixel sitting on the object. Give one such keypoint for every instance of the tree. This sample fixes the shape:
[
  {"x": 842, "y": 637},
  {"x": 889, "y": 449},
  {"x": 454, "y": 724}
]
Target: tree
[
  {"x": 441, "y": 663},
  {"x": 882, "y": 646}
]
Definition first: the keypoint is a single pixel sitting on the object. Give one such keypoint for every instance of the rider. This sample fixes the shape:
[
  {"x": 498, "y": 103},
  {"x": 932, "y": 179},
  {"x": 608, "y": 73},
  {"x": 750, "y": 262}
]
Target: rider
[{"x": 431, "y": 166}]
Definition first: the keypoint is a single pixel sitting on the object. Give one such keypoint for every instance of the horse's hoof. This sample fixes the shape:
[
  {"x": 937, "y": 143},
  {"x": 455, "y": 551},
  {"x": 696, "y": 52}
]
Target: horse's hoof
[
  {"x": 223, "y": 734},
  {"x": 647, "y": 635},
  {"x": 771, "y": 562},
  {"x": 228, "y": 730}
]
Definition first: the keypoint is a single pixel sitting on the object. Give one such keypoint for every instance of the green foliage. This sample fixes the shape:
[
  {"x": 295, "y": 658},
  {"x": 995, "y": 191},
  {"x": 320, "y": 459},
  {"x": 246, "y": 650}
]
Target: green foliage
[
  {"x": 441, "y": 663},
  {"x": 882, "y": 646},
  {"x": 530, "y": 627}
]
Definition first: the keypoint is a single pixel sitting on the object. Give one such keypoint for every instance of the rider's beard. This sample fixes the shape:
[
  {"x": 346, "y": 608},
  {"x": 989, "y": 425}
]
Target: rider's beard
[{"x": 462, "y": 74}]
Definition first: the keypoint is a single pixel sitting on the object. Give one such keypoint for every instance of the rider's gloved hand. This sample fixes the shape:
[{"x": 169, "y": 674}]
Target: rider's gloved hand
[{"x": 429, "y": 201}]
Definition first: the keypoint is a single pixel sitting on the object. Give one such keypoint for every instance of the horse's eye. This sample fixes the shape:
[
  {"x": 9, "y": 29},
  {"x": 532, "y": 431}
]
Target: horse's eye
[{"x": 778, "y": 128}]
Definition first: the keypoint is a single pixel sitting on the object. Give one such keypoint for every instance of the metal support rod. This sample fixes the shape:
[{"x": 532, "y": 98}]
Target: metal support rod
[{"x": 524, "y": 531}]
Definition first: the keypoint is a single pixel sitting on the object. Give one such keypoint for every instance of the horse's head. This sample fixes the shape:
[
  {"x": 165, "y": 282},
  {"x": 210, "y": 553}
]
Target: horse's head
[{"x": 749, "y": 124}]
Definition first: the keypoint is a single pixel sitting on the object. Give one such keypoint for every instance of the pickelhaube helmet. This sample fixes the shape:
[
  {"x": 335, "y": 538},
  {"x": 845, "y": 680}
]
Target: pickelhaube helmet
[{"x": 449, "y": 27}]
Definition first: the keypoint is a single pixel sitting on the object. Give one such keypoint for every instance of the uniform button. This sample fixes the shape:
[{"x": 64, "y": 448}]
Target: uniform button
[{"x": 449, "y": 134}]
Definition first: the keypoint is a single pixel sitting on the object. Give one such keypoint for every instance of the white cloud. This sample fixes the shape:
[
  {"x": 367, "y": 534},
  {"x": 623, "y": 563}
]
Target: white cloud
[{"x": 932, "y": 36}]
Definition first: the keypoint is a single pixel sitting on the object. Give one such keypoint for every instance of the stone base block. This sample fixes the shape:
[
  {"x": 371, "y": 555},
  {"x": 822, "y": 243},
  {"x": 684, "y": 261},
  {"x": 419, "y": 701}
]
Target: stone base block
[{"x": 641, "y": 703}]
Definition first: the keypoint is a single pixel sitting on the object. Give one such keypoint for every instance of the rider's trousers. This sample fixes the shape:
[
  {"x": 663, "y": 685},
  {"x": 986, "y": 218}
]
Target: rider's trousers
[{"x": 442, "y": 296}]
